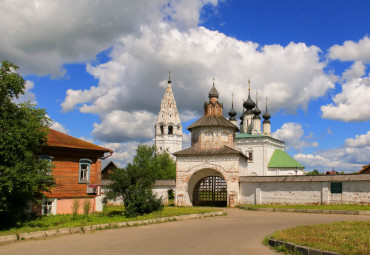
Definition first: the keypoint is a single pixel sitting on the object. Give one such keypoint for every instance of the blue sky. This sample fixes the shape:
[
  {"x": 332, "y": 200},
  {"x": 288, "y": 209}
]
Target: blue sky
[{"x": 100, "y": 69}]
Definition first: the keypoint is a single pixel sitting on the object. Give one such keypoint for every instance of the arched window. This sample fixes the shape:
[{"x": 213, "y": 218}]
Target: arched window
[
  {"x": 208, "y": 136},
  {"x": 161, "y": 127},
  {"x": 84, "y": 173},
  {"x": 250, "y": 154},
  {"x": 170, "y": 129}
]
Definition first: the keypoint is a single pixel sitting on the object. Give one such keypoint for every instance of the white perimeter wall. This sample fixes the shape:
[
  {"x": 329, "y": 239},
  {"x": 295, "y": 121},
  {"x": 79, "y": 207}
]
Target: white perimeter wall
[{"x": 303, "y": 193}]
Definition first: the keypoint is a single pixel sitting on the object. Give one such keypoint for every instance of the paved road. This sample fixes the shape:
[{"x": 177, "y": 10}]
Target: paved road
[{"x": 240, "y": 232}]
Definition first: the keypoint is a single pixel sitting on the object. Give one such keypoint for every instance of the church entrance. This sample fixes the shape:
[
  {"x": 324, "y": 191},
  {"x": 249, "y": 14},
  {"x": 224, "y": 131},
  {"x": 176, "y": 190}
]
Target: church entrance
[{"x": 210, "y": 191}]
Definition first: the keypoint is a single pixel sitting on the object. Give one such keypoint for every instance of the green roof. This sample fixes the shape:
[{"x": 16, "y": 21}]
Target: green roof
[{"x": 281, "y": 159}]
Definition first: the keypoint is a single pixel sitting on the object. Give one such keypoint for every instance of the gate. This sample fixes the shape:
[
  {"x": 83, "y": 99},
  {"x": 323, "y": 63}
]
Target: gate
[{"x": 210, "y": 191}]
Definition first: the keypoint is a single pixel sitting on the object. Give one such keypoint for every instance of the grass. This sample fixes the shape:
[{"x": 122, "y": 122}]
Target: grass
[
  {"x": 110, "y": 214},
  {"x": 346, "y": 237},
  {"x": 319, "y": 207}
]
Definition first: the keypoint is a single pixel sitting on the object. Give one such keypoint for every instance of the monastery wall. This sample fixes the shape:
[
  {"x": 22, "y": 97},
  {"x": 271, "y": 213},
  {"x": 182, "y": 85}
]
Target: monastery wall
[{"x": 354, "y": 189}]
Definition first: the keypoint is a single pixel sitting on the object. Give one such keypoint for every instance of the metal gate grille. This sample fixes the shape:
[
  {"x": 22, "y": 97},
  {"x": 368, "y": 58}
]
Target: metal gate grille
[{"x": 210, "y": 191}]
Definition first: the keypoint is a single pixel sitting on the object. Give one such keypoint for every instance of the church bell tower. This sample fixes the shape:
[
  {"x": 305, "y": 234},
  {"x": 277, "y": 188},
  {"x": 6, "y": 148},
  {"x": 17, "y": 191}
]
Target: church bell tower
[{"x": 168, "y": 129}]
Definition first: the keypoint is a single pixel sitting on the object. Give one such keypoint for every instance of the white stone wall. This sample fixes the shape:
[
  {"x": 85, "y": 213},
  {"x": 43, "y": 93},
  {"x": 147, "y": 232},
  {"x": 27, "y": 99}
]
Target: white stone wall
[
  {"x": 263, "y": 147},
  {"x": 303, "y": 193},
  {"x": 162, "y": 192},
  {"x": 212, "y": 137},
  {"x": 189, "y": 170}
]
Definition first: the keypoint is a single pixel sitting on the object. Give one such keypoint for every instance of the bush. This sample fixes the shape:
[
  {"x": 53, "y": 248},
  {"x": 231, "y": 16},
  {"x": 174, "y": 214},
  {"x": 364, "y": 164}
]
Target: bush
[
  {"x": 86, "y": 207},
  {"x": 75, "y": 207}
]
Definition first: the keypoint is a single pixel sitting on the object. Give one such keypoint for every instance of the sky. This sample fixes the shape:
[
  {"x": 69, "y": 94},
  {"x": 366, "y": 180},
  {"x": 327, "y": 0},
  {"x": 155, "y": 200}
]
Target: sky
[{"x": 100, "y": 68}]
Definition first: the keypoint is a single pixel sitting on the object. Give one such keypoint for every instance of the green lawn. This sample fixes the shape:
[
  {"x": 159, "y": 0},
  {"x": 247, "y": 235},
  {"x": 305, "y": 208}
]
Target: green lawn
[
  {"x": 110, "y": 214},
  {"x": 319, "y": 207},
  {"x": 346, "y": 237}
]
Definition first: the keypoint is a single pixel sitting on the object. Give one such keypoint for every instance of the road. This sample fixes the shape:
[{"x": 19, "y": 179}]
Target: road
[{"x": 240, "y": 232}]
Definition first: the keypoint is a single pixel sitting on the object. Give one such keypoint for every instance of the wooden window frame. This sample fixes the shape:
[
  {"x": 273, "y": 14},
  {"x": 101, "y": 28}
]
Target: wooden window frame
[{"x": 87, "y": 162}]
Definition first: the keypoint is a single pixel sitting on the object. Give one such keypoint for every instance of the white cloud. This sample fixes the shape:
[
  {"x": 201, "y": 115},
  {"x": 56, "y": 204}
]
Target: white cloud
[
  {"x": 352, "y": 104},
  {"x": 123, "y": 153},
  {"x": 122, "y": 126},
  {"x": 57, "y": 32},
  {"x": 186, "y": 140},
  {"x": 59, "y": 127},
  {"x": 132, "y": 80},
  {"x": 357, "y": 70},
  {"x": 352, "y": 51},
  {"x": 359, "y": 141},
  {"x": 323, "y": 164},
  {"x": 354, "y": 153},
  {"x": 28, "y": 95},
  {"x": 292, "y": 134}
]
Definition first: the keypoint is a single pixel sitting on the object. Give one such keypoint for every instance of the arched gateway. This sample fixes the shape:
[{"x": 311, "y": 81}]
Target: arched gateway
[
  {"x": 207, "y": 173},
  {"x": 210, "y": 191}
]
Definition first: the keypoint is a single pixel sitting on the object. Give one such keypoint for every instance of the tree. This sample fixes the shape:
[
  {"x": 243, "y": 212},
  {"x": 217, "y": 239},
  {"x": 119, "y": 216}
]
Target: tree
[
  {"x": 23, "y": 132},
  {"x": 135, "y": 182},
  {"x": 314, "y": 172}
]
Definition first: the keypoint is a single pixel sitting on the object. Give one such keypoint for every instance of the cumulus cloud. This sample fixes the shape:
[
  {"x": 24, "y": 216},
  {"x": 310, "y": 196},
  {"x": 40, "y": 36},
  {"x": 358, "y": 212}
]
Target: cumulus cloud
[
  {"x": 352, "y": 104},
  {"x": 28, "y": 94},
  {"x": 357, "y": 70},
  {"x": 59, "y": 127},
  {"x": 132, "y": 80},
  {"x": 354, "y": 153},
  {"x": 123, "y": 153},
  {"x": 292, "y": 133},
  {"x": 59, "y": 32},
  {"x": 122, "y": 126},
  {"x": 186, "y": 140},
  {"x": 352, "y": 51},
  {"x": 359, "y": 141}
]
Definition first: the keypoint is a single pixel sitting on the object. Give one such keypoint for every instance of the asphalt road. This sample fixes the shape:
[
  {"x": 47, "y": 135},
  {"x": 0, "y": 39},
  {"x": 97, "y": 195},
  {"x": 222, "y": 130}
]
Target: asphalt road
[{"x": 240, "y": 232}]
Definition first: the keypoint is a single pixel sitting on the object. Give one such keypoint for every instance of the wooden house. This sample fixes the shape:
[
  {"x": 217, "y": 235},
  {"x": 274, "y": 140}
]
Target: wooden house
[{"x": 77, "y": 172}]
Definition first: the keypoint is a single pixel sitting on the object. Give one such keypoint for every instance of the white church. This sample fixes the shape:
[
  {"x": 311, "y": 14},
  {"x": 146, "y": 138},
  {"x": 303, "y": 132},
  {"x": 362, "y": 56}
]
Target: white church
[{"x": 221, "y": 153}]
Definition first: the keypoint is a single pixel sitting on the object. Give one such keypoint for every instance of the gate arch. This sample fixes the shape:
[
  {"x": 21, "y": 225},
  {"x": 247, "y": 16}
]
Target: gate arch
[{"x": 210, "y": 191}]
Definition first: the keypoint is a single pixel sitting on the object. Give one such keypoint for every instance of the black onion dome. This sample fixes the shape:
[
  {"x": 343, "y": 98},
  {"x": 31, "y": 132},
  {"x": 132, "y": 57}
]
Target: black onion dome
[
  {"x": 249, "y": 104},
  {"x": 256, "y": 111},
  {"x": 232, "y": 113},
  {"x": 213, "y": 92},
  {"x": 266, "y": 116}
]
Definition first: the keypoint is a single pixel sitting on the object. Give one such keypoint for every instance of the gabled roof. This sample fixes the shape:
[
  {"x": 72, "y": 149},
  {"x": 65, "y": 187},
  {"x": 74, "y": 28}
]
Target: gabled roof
[
  {"x": 108, "y": 165},
  {"x": 212, "y": 121},
  {"x": 58, "y": 139},
  {"x": 196, "y": 151},
  {"x": 365, "y": 169},
  {"x": 281, "y": 159}
]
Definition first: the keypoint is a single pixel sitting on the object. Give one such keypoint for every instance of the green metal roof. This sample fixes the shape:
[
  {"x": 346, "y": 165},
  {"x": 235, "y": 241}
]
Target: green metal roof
[{"x": 281, "y": 159}]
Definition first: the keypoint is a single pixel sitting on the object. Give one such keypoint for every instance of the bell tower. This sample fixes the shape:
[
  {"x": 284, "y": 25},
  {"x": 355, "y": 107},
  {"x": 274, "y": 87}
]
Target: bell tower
[{"x": 168, "y": 128}]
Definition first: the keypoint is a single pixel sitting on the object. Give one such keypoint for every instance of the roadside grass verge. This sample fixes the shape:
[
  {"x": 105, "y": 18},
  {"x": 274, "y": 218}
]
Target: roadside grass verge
[
  {"x": 346, "y": 237},
  {"x": 110, "y": 214},
  {"x": 318, "y": 207}
]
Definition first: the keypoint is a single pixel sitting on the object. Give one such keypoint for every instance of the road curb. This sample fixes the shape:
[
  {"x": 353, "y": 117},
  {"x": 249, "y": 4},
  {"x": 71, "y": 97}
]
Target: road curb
[
  {"x": 348, "y": 212},
  {"x": 302, "y": 249},
  {"x": 86, "y": 229}
]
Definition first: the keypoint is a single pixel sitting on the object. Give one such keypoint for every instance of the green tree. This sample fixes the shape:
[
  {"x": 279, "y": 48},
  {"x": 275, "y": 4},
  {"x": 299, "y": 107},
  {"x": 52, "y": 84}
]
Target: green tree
[
  {"x": 314, "y": 172},
  {"x": 23, "y": 131},
  {"x": 135, "y": 182}
]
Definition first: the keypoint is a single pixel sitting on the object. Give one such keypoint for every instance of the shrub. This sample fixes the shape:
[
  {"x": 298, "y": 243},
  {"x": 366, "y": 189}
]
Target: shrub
[
  {"x": 75, "y": 207},
  {"x": 86, "y": 207}
]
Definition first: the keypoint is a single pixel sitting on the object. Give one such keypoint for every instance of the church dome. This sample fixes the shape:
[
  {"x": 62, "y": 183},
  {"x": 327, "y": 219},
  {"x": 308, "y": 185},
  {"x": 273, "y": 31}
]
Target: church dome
[
  {"x": 232, "y": 113},
  {"x": 249, "y": 104},
  {"x": 213, "y": 92}
]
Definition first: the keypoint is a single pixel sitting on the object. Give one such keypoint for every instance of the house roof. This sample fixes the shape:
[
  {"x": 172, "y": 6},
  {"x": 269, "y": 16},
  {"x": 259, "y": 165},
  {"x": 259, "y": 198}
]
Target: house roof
[
  {"x": 197, "y": 151},
  {"x": 281, "y": 159},
  {"x": 364, "y": 169},
  {"x": 58, "y": 139},
  {"x": 108, "y": 165},
  {"x": 212, "y": 121}
]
